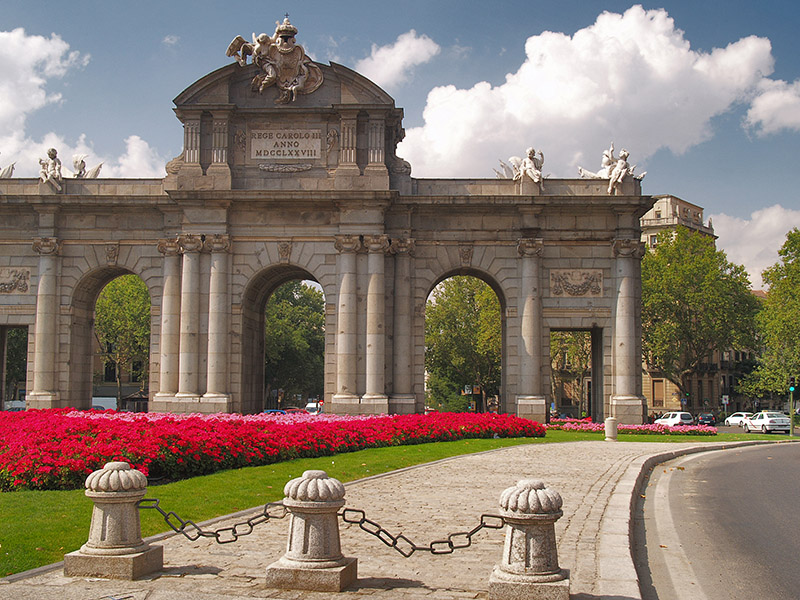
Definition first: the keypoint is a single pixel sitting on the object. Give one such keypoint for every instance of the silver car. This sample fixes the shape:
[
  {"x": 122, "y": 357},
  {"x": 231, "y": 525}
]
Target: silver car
[{"x": 766, "y": 422}]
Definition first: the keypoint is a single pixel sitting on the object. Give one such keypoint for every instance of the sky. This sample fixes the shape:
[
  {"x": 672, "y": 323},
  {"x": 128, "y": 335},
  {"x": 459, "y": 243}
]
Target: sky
[{"x": 705, "y": 95}]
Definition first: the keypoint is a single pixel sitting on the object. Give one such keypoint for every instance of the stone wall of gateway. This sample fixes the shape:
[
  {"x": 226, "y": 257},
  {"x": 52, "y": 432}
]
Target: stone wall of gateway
[{"x": 568, "y": 259}]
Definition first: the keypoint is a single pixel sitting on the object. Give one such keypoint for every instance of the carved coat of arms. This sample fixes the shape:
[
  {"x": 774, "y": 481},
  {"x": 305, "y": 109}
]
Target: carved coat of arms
[{"x": 281, "y": 61}]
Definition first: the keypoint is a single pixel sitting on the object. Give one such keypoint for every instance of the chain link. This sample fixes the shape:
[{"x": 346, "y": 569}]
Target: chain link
[
  {"x": 224, "y": 535},
  {"x": 454, "y": 541}
]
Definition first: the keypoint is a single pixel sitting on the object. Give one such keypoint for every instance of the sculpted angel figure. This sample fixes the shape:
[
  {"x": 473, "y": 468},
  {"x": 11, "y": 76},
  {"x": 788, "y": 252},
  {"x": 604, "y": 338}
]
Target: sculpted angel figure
[
  {"x": 606, "y": 165},
  {"x": 618, "y": 173},
  {"x": 7, "y": 172},
  {"x": 530, "y": 166},
  {"x": 282, "y": 62},
  {"x": 79, "y": 164},
  {"x": 50, "y": 171}
]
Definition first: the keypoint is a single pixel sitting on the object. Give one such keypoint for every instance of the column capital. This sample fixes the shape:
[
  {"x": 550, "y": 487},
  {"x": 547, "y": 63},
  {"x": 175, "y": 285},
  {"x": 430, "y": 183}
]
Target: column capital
[
  {"x": 47, "y": 246},
  {"x": 348, "y": 243},
  {"x": 530, "y": 246},
  {"x": 217, "y": 242},
  {"x": 188, "y": 242},
  {"x": 628, "y": 248},
  {"x": 403, "y": 246},
  {"x": 376, "y": 243},
  {"x": 168, "y": 247}
]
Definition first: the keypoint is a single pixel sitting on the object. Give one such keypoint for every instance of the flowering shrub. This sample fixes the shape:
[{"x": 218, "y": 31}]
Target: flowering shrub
[
  {"x": 57, "y": 448},
  {"x": 586, "y": 425}
]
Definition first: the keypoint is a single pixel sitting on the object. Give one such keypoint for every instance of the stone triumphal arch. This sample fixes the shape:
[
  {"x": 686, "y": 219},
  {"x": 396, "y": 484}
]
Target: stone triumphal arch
[{"x": 289, "y": 171}]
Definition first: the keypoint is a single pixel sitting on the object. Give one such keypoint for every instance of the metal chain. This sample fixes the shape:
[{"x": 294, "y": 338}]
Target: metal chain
[
  {"x": 224, "y": 535},
  {"x": 454, "y": 541}
]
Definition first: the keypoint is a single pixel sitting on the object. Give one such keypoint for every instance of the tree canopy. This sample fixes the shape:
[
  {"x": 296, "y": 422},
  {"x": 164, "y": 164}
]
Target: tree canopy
[
  {"x": 779, "y": 323},
  {"x": 463, "y": 341},
  {"x": 122, "y": 327},
  {"x": 295, "y": 340},
  {"x": 694, "y": 302}
]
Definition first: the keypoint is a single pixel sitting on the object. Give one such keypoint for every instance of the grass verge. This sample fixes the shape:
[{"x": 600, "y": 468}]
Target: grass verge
[{"x": 39, "y": 527}]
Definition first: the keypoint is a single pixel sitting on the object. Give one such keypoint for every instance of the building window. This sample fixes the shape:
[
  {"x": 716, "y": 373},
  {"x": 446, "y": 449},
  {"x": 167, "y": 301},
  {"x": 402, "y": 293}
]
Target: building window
[
  {"x": 658, "y": 214},
  {"x": 658, "y": 393},
  {"x": 653, "y": 241}
]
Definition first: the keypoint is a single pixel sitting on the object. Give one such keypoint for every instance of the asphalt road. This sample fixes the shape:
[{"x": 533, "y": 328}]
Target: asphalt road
[{"x": 727, "y": 526}]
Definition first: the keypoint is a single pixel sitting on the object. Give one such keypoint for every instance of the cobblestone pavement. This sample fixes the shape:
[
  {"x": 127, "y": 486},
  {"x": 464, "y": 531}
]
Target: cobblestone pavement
[{"x": 595, "y": 479}]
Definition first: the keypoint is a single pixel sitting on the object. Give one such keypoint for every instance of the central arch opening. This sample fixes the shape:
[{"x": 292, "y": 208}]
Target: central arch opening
[
  {"x": 283, "y": 340},
  {"x": 464, "y": 346}
]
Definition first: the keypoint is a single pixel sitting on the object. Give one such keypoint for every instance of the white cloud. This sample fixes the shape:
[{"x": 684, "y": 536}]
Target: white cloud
[
  {"x": 777, "y": 107},
  {"x": 171, "y": 40},
  {"x": 631, "y": 78},
  {"x": 27, "y": 64},
  {"x": 392, "y": 65},
  {"x": 755, "y": 242}
]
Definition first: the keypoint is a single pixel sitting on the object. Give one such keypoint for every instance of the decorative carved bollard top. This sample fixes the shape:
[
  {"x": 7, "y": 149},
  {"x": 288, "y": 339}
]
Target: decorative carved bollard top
[
  {"x": 116, "y": 477},
  {"x": 531, "y": 497},
  {"x": 314, "y": 486}
]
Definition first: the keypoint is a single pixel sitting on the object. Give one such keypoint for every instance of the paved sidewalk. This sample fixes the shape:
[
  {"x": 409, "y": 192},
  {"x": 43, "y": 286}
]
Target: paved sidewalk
[{"x": 596, "y": 480}]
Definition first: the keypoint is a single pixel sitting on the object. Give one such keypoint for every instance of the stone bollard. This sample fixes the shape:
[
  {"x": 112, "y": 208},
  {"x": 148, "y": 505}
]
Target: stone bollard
[
  {"x": 115, "y": 548},
  {"x": 313, "y": 559},
  {"x": 611, "y": 429},
  {"x": 529, "y": 567}
]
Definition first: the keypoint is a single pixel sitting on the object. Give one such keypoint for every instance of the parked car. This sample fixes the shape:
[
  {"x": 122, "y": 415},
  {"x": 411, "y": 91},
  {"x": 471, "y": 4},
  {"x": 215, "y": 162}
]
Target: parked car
[
  {"x": 706, "y": 419},
  {"x": 676, "y": 418},
  {"x": 737, "y": 419},
  {"x": 314, "y": 408},
  {"x": 274, "y": 411},
  {"x": 294, "y": 410},
  {"x": 766, "y": 422}
]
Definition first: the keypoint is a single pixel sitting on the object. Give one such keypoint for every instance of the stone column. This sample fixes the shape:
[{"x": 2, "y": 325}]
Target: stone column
[
  {"x": 169, "y": 344},
  {"x": 189, "y": 377},
  {"x": 348, "y": 144},
  {"x": 531, "y": 402},
  {"x": 191, "y": 141},
  {"x": 115, "y": 548},
  {"x": 218, "y": 311},
  {"x": 347, "y": 324},
  {"x": 375, "y": 397},
  {"x": 44, "y": 394},
  {"x": 402, "y": 400},
  {"x": 219, "y": 170},
  {"x": 628, "y": 404}
]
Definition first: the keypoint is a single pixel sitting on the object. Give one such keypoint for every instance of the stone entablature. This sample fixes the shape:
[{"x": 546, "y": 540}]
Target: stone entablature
[{"x": 227, "y": 226}]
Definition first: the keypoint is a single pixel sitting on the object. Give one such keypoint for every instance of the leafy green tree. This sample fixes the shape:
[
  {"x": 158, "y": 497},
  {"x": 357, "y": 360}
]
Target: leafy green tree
[
  {"x": 122, "y": 327},
  {"x": 463, "y": 341},
  {"x": 16, "y": 362},
  {"x": 694, "y": 302},
  {"x": 571, "y": 361},
  {"x": 779, "y": 324},
  {"x": 295, "y": 340}
]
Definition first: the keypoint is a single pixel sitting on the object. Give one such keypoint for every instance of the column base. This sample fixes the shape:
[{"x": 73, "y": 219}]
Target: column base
[
  {"x": 532, "y": 407},
  {"x": 628, "y": 409},
  {"x": 402, "y": 404},
  {"x": 42, "y": 400},
  {"x": 288, "y": 576},
  {"x": 375, "y": 404},
  {"x": 124, "y": 566},
  {"x": 344, "y": 404}
]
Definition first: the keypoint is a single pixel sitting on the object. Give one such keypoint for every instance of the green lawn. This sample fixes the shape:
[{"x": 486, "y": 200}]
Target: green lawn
[{"x": 38, "y": 528}]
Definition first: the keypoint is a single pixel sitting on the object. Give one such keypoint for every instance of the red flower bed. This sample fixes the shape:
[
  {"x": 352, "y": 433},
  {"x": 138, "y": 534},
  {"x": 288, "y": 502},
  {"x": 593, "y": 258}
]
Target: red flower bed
[{"x": 56, "y": 449}]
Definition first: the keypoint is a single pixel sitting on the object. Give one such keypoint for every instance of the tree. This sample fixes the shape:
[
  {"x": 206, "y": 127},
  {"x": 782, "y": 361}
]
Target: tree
[
  {"x": 570, "y": 361},
  {"x": 295, "y": 340},
  {"x": 16, "y": 363},
  {"x": 463, "y": 341},
  {"x": 779, "y": 324},
  {"x": 694, "y": 302},
  {"x": 122, "y": 327}
]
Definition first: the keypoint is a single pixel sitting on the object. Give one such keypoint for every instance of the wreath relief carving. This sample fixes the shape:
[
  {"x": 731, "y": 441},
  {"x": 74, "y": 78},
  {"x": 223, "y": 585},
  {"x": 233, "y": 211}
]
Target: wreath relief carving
[{"x": 586, "y": 283}]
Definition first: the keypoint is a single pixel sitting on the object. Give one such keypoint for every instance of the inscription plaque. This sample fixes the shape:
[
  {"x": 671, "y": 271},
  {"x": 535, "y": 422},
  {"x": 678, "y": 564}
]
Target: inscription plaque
[{"x": 285, "y": 144}]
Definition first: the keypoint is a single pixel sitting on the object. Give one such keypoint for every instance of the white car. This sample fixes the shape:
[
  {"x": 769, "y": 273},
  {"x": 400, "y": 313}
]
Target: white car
[
  {"x": 676, "y": 418},
  {"x": 766, "y": 422},
  {"x": 737, "y": 419}
]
